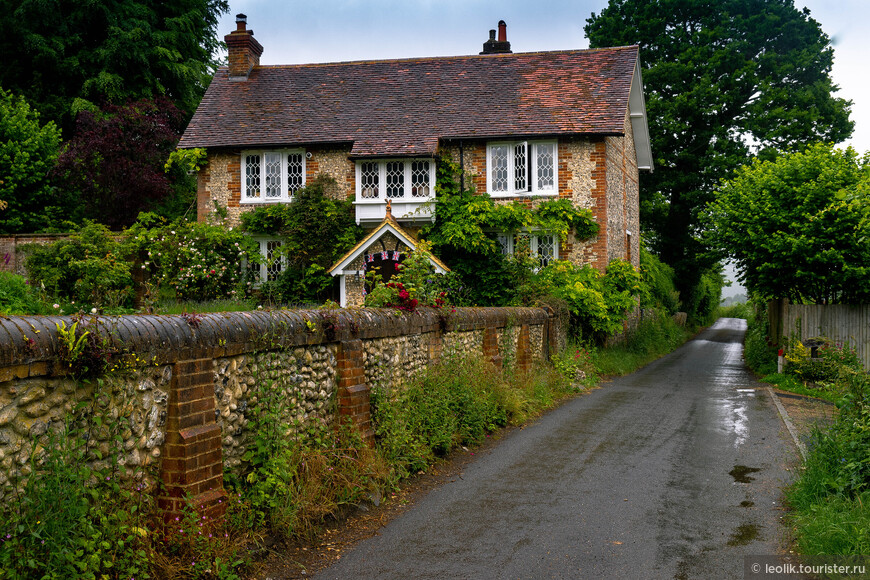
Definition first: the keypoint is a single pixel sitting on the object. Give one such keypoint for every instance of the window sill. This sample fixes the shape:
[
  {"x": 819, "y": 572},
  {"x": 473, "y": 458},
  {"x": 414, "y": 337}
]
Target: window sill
[
  {"x": 265, "y": 201},
  {"x": 501, "y": 195}
]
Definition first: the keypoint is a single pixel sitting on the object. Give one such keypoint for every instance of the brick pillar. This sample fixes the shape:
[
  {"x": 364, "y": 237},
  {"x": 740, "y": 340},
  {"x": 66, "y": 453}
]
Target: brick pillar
[
  {"x": 524, "y": 349},
  {"x": 436, "y": 346},
  {"x": 192, "y": 465},
  {"x": 490, "y": 346},
  {"x": 353, "y": 392}
]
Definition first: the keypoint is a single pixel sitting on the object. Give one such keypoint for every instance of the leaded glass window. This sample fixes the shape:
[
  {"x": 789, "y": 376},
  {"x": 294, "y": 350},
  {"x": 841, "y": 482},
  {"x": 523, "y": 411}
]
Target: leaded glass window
[
  {"x": 395, "y": 179},
  {"x": 295, "y": 172},
  {"x": 252, "y": 176},
  {"x": 370, "y": 176},
  {"x": 420, "y": 186},
  {"x": 521, "y": 168},
  {"x": 546, "y": 166},
  {"x": 545, "y": 250},
  {"x": 272, "y": 176},
  {"x": 499, "y": 170}
]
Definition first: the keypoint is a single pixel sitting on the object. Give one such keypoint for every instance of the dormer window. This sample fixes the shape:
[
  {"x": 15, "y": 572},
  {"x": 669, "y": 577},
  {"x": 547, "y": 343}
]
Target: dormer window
[
  {"x": 272, "y": 176},
  {"x": 396, "y": 179},
  {"x": 522, "y": 168},
  {"x": 409, "y": 184}
]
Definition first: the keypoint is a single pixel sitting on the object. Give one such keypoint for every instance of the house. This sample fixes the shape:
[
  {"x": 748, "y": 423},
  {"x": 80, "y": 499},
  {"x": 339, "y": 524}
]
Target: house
[{"x": 541, "y": 125}]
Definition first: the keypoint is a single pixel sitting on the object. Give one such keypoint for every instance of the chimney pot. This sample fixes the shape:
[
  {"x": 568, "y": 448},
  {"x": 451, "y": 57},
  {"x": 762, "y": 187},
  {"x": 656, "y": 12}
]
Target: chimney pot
[
  {"x": 500, "y": 46},
  {"x": 243, "y": 51}
]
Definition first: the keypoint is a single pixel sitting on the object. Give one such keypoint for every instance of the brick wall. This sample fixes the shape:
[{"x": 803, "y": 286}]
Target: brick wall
[{"x": 13, "y": 252}]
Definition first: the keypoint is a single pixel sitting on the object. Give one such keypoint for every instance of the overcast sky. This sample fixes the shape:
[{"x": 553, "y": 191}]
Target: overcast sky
[{"x": 342, "y": 30}]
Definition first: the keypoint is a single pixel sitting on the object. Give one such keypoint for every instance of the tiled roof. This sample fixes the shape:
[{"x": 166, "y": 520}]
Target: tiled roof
[{"x": 403, "y": 107}]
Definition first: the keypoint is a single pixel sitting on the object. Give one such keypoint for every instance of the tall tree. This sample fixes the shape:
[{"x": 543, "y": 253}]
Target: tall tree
[
  {"x": 65, "y": 56},
  {"x": 723, "y": 79},
  {"x": 115, "y": 161},
  {"x": 799, "y": 227},
  {"x": 28, "y": 151}
]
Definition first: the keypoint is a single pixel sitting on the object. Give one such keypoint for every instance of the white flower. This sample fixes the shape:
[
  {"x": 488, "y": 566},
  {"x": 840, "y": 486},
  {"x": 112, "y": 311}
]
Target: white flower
[
  {"x": 93, "y": 310},
  {"x": 56, "y": 305}
]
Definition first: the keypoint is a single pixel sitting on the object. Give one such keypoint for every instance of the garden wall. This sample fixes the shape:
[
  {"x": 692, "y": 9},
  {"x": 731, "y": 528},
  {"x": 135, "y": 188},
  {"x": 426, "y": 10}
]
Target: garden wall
[
  {"x": 13, "y": 249},
  {"x": 177, "y": 393}
]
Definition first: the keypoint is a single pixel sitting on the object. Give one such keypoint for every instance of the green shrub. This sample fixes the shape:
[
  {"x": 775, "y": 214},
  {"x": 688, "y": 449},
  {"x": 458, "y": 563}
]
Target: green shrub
[
  {"x": 743, "y": 310},
  {"x": 316, "y": 230},
  {"x": 832, "y": 360},
  {"x": 658, "y": 279},
  {"x": 16, "y": 296},
  {"x": 656, "y": 335},
  {"x": 198, "y": 261},
  {"x": 456, "y": 402},
  {"x": 91, "y": 268},
  {"x": 759, "y": 354},
  {"x": 829, "y": 499},
  {"x": 598, "y": 303}
]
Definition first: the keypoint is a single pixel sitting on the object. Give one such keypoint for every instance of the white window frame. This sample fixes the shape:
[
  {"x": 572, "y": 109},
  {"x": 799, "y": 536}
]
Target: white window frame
[
  {"x": 508, "y": 246},
  {"x": 532, "y": 149},
  {"x": 408, "y": 194},
  {"x": 286, "y": 194},
  {"x": 262, "y": 270}
]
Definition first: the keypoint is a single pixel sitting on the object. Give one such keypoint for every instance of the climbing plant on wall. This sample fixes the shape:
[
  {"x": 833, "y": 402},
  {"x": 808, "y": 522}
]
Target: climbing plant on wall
[{"x": 464, "y": 236}]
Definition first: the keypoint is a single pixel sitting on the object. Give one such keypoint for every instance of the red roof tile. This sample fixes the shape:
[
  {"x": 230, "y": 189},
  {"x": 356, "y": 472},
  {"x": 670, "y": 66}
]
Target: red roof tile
[{"x": 403, "y": 107}]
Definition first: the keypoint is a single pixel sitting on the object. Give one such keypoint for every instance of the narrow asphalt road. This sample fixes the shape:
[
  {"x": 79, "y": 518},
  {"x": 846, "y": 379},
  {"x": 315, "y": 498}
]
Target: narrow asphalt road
[{"x": 672, "y": 472}]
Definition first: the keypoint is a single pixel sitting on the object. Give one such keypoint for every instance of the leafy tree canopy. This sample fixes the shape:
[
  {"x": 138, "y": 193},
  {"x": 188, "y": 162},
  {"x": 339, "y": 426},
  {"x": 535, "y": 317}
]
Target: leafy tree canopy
[
  {"x": 66, "y": 56},
  {"x": 28, "y": 150},
  {"x": 115, "y": 162},
  {"x": 721, "y": 78},
  {"x": 798, "y": 227}
]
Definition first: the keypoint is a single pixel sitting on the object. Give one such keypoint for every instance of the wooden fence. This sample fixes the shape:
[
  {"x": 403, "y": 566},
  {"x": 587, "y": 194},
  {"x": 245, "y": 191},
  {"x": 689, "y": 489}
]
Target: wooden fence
[{"x": 839, "y": 322}]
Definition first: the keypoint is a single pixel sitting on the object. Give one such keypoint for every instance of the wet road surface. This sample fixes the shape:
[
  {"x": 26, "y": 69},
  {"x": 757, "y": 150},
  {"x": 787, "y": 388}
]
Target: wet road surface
[{"x": 672, "y": 472}]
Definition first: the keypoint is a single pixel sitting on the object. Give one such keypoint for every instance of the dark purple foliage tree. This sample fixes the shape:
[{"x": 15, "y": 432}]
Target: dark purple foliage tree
[{"x": 115, "y": 160}]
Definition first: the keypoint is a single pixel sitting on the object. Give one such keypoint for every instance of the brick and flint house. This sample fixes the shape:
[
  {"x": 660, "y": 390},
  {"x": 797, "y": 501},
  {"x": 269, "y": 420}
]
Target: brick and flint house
[{"x": 530, "y": 126}]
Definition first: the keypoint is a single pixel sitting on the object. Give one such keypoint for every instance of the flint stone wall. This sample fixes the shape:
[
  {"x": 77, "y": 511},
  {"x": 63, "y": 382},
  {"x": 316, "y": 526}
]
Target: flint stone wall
[{"x": 185, "y": 388}]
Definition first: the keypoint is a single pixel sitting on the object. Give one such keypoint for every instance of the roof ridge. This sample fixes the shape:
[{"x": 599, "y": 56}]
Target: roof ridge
[{"x": 507, "y": 56}]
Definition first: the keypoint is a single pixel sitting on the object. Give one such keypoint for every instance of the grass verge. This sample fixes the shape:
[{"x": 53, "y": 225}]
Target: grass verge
[{"x": 655, "y": 336}]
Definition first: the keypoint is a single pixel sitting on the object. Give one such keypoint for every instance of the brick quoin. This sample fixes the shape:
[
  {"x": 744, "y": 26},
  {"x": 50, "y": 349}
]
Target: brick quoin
[
  {"x": 192, "y": 459},
  {"x": 353, "y": 392}
]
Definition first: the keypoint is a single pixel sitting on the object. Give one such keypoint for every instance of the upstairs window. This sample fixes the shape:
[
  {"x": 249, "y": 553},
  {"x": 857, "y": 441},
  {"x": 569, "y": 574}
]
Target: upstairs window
[
  {"x": 522, "y": 168},
  {"x": 545, "y": 247},
  {"x": 397, "y": 179},
  {"x": 272, "y": 176}
]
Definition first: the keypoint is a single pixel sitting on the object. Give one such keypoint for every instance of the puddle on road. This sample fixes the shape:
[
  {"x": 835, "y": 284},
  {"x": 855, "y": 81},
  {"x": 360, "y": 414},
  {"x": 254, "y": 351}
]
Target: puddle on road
[
  {"x": 740, "y": 473},
  {"x": 744, "y": 534},
  {"x": 746, "y": 503}
]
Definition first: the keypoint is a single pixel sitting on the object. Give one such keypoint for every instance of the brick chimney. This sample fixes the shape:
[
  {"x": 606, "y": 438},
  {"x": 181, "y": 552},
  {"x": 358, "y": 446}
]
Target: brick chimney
[
  {"x": 500, "y": 46},
  {"x": 244, "y": 51}
]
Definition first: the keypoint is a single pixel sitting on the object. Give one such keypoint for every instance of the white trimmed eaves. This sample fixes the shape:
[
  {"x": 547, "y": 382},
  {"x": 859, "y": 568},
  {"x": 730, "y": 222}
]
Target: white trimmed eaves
[
  {"x": 373, "y": 237},
  {"x": 639, "y": 126}
]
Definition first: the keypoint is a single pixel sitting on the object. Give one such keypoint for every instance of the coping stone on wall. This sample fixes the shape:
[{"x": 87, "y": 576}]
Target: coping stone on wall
[{"x": 173, "y": 338}]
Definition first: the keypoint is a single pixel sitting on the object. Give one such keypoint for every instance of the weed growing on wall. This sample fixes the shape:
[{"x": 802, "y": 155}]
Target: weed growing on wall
[{"x": 81, "y": 510}]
